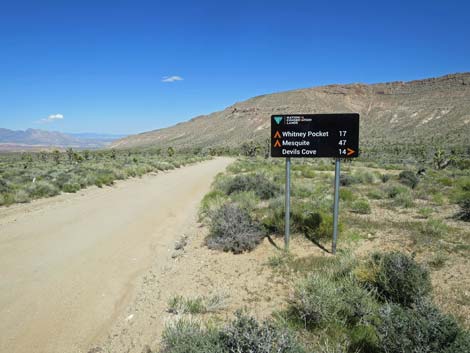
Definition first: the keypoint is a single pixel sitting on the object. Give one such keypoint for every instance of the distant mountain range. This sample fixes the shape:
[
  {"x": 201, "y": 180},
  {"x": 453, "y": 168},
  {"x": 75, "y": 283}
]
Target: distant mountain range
[
  {"x": 34, "y": 139},
  {"x": 434, "y": 111}
]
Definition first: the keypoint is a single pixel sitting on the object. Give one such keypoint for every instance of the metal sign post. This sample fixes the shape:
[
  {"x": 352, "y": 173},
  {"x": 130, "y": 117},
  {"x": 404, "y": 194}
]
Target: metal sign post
[
  {"x": 314, "y": 136},
  {"x": 336, "y": 205},
  {"x": 287, "y": 210}
]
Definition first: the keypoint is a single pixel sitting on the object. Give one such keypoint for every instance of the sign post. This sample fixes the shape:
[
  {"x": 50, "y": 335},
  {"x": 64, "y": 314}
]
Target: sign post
[
  {"x": 336, "y": 206},
  {"x": 314, "y": 136},
  {"x": 287, "y": 207}
]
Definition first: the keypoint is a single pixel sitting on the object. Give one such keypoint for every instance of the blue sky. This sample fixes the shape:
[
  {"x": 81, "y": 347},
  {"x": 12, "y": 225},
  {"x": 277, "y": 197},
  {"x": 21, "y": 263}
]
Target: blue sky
[{"x": 98, "y": 66}]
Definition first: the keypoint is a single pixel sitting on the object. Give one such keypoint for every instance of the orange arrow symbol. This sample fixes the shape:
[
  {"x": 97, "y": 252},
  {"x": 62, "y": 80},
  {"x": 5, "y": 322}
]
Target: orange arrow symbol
[
  {"x": 350, "y": 151},
  {"x": 277, "y": 135},
  {"x": 277, "y": 144}
]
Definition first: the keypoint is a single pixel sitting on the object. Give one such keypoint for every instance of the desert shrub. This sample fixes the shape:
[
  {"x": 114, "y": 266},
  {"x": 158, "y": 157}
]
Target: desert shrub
[
  {"x": 314, "y": 225},
  {"x": 315, "y": 301},
  {"x": 464, "y": 203},
  {"x": 347, "y": 180},
  {"x": 188, "y": 336},
  {"x": 233, "y": 229},
  {"x": 446, "y": 181},
  {"x": 365, "y": 177},
  {"x": 333, "y": 347},
  {"x": 408, "y": 178},
  {"x": 394, "y": 190},
  {"x": 246, "y": 200},
  {"x": 301, "y": 191},
  {"x": 242, "y": 335},
  {"x": 71, "y": 187},
  {"x": 103, "y": 177},
  {"x": 397, "y": 278},
  {"x": 246, "y": 334},
  {"x": 6, "y": 199},
  {"x": 434, "y": 228},
  {"x": 361, "y": 206},
  {"x": 330, "y": 296},
  {"x": 385, "y": 178},
  {"x": 420, "y": 328},
  {"x": 180, "y": 305},
  {"x": 212, "y": 201},
  {"x": 364, "y": 339},
  {"x": 359, "y": 306},
  {"x": 404, "y": 200},
  {"x": 346, "y": 195},
  {"x": 425, "y": 212},
  {"x": 61, "y": 179},
  {"x": 4, "y": 186},
  {"x": 42, "y": 189},
  {"x": 259, "y": 183},
  {"x": 21, "y": 196},
  {"x": 198, "y": 305},
  {"x": 273, "y": 222},
  {"x": 375, "y": 194},
  {"x": 308, "y": 173},
  {"x": 461, "y": 343},
  {"x": 438, "y": 260}
]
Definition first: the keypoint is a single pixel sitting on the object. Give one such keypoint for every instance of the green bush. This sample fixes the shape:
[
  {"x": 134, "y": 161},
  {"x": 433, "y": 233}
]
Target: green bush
[
  {"x": 212, "y": 201},
  {"x": 385, "y": 178},
  {"x": 464, "y": 203},
  {"x": 347, "y": 180},
  {"x": 188, "y": 336},
  {"x": 434, "y": 228},
  {"x": 233, "y": 229},
  {"x": 408, "y": 178},
  {"x": 398, "y": 278},
  {"x": 331, "y": 296},
  {"x": 404, "y": 200},
  {"x": 71, "y": 187},
  {"x": 273, "y": 222},
  {"x": 314, "y": 225},
  {"x": 358, "y": 306},
  {"x": 259, "y": 183},
  {"x": 316, "y": 301},
  {"x": 364, "y": 339},
  {"x": 245, "y": 334},
  {"x": 420, "y": 328},
  {"x": 461, "y": 343},
  {"x": 361, "y": 206},
  {"x": 346, "y": 195},
  {"x": 4, "y": 186},
  {"x": 242, "y": 335},
  {"x": 375, "y": 194},
  {"x": 394, "y": 190},
  {"x": 21, "y": 196},
  {"x": 42, "y": 189},
  {"x": 198, "y": 305}
]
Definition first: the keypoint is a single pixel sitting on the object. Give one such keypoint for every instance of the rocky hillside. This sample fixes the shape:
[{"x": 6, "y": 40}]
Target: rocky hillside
[{"x": 435, "y": 110}]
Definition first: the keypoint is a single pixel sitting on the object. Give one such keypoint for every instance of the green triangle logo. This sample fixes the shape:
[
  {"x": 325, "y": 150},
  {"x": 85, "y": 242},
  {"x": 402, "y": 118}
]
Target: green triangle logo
[{"x": 278, "y": 119}]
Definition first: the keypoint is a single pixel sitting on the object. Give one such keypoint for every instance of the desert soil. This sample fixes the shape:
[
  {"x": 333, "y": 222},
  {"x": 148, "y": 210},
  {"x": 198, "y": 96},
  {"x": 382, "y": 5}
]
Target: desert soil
[{"x": 72, "y": 265}]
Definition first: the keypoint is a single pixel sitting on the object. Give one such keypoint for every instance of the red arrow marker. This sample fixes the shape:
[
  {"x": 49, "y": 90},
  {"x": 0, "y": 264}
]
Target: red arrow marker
[{"x": 350, "y": 151}]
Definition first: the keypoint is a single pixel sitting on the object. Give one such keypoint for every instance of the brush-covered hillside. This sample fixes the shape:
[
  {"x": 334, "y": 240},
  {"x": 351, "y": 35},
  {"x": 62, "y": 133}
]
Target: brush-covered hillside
[{"x": 435, "y": 110}]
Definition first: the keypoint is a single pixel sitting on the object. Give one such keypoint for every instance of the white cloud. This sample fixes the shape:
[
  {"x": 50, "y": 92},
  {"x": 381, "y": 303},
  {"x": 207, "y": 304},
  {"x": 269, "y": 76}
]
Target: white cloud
[
  {"x": 171, "y": 78},
  {"x": 51, "y": 118}
]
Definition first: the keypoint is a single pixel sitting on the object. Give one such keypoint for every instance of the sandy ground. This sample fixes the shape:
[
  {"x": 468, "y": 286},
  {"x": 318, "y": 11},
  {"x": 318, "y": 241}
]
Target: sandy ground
[{"x": 71, "y": 265}]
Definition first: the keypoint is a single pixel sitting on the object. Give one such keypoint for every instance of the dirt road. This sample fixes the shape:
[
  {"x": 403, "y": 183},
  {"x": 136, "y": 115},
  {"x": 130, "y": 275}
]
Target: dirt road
[{"x": 68, "y": 265}]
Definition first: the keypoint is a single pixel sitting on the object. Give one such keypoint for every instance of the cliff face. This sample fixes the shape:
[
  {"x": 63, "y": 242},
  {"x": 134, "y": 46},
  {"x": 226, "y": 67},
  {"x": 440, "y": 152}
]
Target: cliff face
[{"x": 435, "y": 109}]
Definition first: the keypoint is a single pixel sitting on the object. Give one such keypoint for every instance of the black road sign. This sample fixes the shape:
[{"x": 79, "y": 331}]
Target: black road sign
[{"x": 315, "y": 135}]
